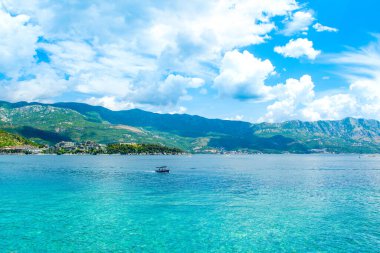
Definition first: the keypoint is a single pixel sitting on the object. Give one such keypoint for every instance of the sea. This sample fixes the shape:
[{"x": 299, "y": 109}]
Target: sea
[{"x": 207, "y": 203}]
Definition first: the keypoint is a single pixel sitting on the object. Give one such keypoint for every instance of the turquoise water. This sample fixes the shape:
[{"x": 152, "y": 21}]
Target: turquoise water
[{"x": 260, "y": 203}]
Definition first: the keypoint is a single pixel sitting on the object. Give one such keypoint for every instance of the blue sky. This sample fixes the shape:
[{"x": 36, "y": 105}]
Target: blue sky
[{"x": 257, "y": 60}]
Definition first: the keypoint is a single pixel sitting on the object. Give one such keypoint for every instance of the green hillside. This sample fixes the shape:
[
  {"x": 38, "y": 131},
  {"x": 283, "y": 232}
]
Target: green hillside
[
  {"x": 49, "y": 124},
  {"x": 8, "y": 140}
]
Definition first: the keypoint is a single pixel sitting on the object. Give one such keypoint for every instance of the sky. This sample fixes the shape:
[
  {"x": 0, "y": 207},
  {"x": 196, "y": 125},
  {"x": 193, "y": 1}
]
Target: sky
[{"x": 250, "y": 60}]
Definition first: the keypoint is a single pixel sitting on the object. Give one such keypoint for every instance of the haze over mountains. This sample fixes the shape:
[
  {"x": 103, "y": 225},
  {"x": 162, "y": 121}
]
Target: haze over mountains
[{"x": 51, "y": 123}]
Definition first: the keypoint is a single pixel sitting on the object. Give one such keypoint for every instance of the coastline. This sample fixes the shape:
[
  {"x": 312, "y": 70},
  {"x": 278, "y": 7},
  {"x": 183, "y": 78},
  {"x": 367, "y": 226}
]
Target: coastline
[{"x": 191, "y": 154}]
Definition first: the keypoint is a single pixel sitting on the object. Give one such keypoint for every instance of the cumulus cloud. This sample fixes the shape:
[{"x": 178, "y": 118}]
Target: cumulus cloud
[
  {"x": 157, "y": 52},
  {"x": 242, "y": 73},
  {"x": 110, "y": 102},
  {"x": 299, "y": 22},
  {"x": 296, "y": 100},
  {"x": 42, "y": 87},
  {"x": 165, "y": 92},
  {"x": 361, "y": 99},
  {"x": 18, "y": 43},
  {"x": 331, "y": 107},
  {"x": 321, "y": 28},
  {"x": 289, "y": 98},
  {"x": 242, "y": 76},
  {"x": 298, "y": 48},
  {"x": 101, "y": 50},
  {"x": 144, "y": 90}
]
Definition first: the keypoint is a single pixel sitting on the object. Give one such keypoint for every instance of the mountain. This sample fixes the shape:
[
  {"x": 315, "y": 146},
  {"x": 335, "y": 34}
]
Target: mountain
[
  {"x": 181, "y": 124},
  {"x": 50, "y": 123},
  {"x": 347, "y": 135}
]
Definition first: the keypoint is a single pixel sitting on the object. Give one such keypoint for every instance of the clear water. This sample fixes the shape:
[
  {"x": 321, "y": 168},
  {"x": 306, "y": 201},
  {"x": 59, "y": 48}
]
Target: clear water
[{"x": 260, "y": 203}]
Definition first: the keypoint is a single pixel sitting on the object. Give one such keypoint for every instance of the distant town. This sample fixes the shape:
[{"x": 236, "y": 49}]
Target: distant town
[{"x": 93, "y": 148}]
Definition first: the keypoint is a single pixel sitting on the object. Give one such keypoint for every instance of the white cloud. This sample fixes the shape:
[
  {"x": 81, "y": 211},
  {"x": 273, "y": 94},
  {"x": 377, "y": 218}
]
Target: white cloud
[
  {"x": 360, "y": 64},
  {"x": 242, "y": 76},
  {"x": 299, "y": 22},
  {"x": 289, "y": 98},
  {"x": 321, "y": 28},
  {"x": 146, "y": 90},
  {"x": 110, "y": 102},
  {"x": 298, "y": 48},
  {"x": 330, "y": 107},
  {"x": 154, "y": 53},
  {"x": 18, "y": 42},
  {"x": 103, "y": 84},
  {"x": 236, "y": 118},
  {"x": 180, "y": 110},
  {"x": 362, "y": 70},
  {"x": 300, "y": 91},
  {"x": 362, "y": 98},
  {"x": 166, "y": 92},
  {"x": 106, "y": 48},
  {"x": 42, "y": 87}
]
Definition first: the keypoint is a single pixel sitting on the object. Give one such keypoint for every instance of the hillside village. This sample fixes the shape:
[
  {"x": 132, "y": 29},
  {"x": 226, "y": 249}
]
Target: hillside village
[
  {"x": 60, "y": 148},
  {"x": 91, "y": 147}
]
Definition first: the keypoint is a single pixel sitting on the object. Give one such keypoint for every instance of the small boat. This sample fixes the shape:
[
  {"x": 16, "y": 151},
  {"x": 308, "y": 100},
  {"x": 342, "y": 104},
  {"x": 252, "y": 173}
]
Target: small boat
[{"x": 162, "y": 169}]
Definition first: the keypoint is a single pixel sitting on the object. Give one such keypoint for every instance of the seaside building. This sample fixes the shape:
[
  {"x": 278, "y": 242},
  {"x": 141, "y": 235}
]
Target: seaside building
[
  {"x": 83, "y": 147},
  {"x": 25, "y": 149}
]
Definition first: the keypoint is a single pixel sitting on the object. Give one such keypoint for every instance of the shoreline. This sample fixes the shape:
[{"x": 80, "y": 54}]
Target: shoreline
[{"x": 191, "y": 154}]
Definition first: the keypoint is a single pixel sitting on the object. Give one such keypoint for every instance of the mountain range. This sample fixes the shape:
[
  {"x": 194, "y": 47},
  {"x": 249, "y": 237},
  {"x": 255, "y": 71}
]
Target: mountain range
[{"x": 51, "y": 123}]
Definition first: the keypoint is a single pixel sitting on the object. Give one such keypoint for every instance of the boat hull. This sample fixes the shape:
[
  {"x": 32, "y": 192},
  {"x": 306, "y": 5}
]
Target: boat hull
[{"x": 162, "y": 171}]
